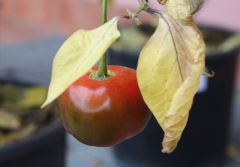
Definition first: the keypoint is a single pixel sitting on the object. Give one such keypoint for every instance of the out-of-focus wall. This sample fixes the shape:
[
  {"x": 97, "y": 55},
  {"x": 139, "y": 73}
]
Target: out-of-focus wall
[
  {"x": 225, "y": 13},
  {"x": 26, "y": 19},
  {"x": 221, "y": 12},
  {"x": 21, "y": 20},
  {"x": 215, "y": 12}
]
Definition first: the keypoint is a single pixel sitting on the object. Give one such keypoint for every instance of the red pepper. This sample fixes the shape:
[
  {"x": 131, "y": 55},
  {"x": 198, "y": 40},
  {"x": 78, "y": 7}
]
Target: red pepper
[{"x": 104, "y": 112}]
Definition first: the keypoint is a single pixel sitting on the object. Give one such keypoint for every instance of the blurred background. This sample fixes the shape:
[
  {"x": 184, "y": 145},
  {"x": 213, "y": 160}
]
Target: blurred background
[{"x": 31, "y": 31}]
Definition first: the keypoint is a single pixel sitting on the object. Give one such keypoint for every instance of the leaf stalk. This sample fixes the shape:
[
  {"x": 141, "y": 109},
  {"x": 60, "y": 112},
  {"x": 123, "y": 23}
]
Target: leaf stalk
[{"x": 102, "y": 71}]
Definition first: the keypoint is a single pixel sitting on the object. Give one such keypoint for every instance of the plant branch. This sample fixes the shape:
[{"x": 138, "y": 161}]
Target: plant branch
[{"x": 143, "y": 5}]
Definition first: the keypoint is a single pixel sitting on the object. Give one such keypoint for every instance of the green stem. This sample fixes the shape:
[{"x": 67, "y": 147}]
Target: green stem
[{"x": 102, "y": 71}]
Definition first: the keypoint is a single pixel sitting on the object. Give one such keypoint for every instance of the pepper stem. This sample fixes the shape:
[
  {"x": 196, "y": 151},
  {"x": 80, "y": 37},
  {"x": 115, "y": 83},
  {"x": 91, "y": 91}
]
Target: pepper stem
[{"x": 102, "y": 71}]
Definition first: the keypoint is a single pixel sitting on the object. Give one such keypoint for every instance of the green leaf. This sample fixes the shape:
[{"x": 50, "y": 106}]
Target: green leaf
[
  {"x": 79, "y": 53},
  {"x": 168, "y": 72}
]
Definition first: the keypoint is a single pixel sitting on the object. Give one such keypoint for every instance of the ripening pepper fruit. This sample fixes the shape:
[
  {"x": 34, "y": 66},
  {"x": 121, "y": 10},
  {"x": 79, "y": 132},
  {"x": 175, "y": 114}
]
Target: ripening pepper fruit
[{"x": 104, "y": 112}]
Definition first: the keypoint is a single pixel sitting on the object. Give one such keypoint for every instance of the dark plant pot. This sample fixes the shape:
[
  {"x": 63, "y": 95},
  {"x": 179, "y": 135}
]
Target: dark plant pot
[
  {"x": 45, "y": 148},
  {"x": 204, "y": 139}
]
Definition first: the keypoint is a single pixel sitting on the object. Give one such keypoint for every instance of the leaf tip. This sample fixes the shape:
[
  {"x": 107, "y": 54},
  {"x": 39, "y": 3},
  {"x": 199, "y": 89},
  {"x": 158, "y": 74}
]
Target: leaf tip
[
  {"x": 43, "y": 105},
  {"x": 168, "y": 148},
  {"x": 46, "y": 103},
  {"x": 169, "y": 143}
]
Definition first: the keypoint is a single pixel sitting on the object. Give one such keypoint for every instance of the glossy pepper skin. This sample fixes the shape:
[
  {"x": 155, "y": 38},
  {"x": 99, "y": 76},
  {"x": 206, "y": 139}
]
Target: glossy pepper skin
[{"x": 104, "y": 112}]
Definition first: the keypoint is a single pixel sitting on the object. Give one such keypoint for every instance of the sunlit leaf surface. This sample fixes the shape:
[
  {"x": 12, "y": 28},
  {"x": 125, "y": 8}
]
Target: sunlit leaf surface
[{"x": 79, "y": 53}]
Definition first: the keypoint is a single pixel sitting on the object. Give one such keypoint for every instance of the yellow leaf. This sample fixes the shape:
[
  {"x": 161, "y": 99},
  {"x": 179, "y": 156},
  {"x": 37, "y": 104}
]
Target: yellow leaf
[
  {"x": 182, "y": 10},
  {"x": 32, "y": 97},
  {"x": 79, "y": 53},
  {"x": 168, "y": 72}
]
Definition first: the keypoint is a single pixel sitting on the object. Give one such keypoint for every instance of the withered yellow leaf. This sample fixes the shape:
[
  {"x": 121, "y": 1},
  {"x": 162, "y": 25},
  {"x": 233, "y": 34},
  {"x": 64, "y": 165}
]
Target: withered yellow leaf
[
  {"x": 78, "y": 54},
  {"x": 182, "y": 10},
  {"x": 168, "y": 72}
]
